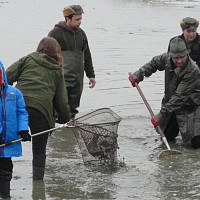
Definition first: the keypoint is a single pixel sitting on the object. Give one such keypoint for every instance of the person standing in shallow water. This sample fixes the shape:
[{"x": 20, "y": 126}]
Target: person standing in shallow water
[
  {"x": 180, "y": 109},
  {"x": 76, "y": 54},
  {"x": 39, "y": 76},
  {"x": 191, "y": 38},
  {"x": 14, "y": 124}
]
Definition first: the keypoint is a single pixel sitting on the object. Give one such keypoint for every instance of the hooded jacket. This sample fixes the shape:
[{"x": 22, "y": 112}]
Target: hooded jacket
[
  {"x": 41, "y": 80},
  {"x": 77, "y": 41},
  {"x": 13, "y": 118},
  {"x": 182, "y": 84}
]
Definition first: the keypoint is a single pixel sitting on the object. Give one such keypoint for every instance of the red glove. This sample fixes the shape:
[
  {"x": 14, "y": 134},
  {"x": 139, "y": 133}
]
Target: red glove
[
  {"x": 132, "y": 80},
  {"x": 156, "y": 119}
]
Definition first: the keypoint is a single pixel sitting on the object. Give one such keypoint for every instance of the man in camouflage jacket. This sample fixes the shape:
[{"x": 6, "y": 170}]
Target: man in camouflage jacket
[{"x": 180, "y": 109}]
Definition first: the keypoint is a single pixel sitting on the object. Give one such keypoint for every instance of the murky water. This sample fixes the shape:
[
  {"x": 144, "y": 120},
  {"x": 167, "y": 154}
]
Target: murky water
[{"x": 123, "y": 35}]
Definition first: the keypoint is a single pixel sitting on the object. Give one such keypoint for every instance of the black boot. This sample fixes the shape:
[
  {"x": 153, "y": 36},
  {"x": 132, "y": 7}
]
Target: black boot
[
  {"x": 5, "y": 190},
  {"x": 38, "y": 173},
  {"x": 38, "y": 164}
]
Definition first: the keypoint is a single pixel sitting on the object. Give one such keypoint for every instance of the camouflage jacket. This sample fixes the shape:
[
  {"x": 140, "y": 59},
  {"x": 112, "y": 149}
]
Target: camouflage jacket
[
  {"x": 182, "y": 85},
  {"x": 182, "y": 93}
]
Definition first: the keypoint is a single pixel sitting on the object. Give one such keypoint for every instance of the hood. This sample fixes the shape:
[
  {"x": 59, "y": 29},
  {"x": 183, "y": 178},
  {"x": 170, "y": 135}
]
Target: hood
[
  {"x": 62, "y": 24},
  {"x": 4, "y": 73},
  {"x": 45, "y": 60}
]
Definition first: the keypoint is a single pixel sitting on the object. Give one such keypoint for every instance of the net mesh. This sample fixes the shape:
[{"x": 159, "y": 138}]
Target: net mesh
[{"x": 96, "y": 134}]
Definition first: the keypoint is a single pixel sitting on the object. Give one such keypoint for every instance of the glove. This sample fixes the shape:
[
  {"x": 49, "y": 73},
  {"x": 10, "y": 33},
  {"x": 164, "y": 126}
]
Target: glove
[
  {"x": 132, "y": 80},
  {"x": 156, "y": 119},
  {"x": 25, "y": 135}
]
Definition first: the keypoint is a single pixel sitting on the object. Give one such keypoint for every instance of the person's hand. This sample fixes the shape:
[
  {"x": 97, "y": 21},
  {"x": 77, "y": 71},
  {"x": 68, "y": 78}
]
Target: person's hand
[
  {"x": 70, "y": 123},
  {"x": 25, "y": 135},
  {"x": 156, "y": 119},
  {"x": 92, "y": 82},
  {"x": 132, "y": 80}
]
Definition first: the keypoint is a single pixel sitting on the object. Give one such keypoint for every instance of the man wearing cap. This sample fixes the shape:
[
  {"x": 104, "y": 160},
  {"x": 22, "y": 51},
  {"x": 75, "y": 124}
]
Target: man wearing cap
[
  {"x": 191, "y": 38},
  {"x": 76, "y": 54},
  {"x": 180, "y": 109}
]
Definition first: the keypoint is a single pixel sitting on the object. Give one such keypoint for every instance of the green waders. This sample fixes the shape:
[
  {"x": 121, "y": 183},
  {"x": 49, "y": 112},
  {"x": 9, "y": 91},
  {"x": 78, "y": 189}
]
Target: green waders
[{"x": 74, "y": 74}]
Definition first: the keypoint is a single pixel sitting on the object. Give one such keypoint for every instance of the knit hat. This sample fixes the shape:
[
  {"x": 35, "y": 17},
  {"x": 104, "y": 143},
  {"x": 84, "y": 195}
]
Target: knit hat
[{"x": 177, "y": 48}]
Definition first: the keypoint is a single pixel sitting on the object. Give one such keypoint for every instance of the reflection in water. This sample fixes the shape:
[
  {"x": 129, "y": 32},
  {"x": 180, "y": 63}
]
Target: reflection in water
[
  {"x": 38, "y": 191},
  {"x": 66, "y": 174},
  {"x": 178, "y": 175}
]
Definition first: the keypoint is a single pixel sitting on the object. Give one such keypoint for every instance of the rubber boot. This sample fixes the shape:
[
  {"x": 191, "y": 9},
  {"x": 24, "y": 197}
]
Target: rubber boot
[
  {"x": 38, "y": 173},
  {"x": 5, "y": 190}
]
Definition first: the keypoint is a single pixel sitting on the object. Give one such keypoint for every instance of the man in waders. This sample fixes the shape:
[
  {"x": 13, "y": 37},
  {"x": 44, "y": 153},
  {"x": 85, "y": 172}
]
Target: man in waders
[
  {"x": 76, "y": 54},
  {"x": 180, "y": 109},
  {"x": 191, "y": 37}
]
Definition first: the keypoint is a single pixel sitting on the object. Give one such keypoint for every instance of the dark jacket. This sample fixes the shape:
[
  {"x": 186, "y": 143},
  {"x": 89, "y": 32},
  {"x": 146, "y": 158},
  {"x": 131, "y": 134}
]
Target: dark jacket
[
  {"x": 193, "y": 48},
  {"x": 77, "y": 41},
  {"x": 41, "y": 80},
  {"x": 182, "y": 92}
]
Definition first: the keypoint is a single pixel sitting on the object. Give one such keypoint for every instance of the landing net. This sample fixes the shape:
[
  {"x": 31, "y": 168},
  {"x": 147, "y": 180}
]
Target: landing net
[{"x": 96, "y": 134}]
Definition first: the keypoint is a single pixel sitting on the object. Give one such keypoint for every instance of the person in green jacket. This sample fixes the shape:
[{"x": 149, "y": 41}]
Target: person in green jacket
[
  {"x": 76, "y": 54},
  {"x": 180, "y": 109},
  {"x": 40, "y": 78}
]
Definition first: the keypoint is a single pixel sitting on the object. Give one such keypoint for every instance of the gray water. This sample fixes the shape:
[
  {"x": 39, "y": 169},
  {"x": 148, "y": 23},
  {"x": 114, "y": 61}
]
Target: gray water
[{"x": 123, "y": 35}]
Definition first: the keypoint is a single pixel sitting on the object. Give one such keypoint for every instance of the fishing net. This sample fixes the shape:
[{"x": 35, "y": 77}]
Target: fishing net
[{"x": 96, "y": 134}]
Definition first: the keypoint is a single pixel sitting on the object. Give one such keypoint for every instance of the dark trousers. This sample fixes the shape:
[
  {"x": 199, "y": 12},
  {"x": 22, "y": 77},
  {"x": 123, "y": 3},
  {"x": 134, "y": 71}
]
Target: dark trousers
[
  {"x": 6, "y": 170},
  {"x": 73, "y": 100},
  {"x": 171, "y": 131},
  {"x": 38, "y": 123}
]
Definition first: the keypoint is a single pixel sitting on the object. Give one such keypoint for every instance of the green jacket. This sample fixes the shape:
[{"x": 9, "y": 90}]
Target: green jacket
[
  {"x": 77, "y": 41},
  {"x": 40, "y": 79},
  {"x": 182, "y": 92}
]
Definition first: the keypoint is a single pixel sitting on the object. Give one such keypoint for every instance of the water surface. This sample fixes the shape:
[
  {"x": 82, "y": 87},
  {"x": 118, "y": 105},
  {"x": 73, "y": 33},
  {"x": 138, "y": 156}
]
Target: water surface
[{"x": 123, "y": 35}]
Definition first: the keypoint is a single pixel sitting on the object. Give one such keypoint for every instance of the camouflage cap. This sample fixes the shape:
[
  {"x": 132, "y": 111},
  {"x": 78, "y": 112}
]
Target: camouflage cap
[
  {"x": 189, "y": 23},
  {"x": 72, "y": 10},
  {"x": 177, "y": 48}
]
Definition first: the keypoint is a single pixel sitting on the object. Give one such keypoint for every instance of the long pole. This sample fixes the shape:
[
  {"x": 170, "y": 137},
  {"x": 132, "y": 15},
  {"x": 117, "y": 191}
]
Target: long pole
[
  {"x": 34, "y": 135},
  {"x": 165, "y": 152}
]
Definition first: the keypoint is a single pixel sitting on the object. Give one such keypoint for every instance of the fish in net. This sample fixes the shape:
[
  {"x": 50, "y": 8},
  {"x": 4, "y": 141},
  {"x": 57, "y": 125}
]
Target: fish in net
[{"x": 96, "y": 134}]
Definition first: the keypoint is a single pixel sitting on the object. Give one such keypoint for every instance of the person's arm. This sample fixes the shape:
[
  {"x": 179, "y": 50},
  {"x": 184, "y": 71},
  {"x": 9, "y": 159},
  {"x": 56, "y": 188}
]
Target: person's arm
[
  {"x": 157, "y": 63},
  {"x": 13, "y": 72},
  {"x": 22, "y": 115},
  {"x": 89, "y": 69}
]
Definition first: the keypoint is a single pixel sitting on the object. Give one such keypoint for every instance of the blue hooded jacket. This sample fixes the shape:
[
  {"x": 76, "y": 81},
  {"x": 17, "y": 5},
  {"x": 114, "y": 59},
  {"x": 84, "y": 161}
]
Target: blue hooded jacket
[{"x": 13, "y": 118}]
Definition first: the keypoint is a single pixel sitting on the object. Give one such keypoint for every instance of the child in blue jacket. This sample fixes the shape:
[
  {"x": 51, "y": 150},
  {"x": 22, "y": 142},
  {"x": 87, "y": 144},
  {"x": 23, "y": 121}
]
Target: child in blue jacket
[{"x": 13, "y": 125}]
